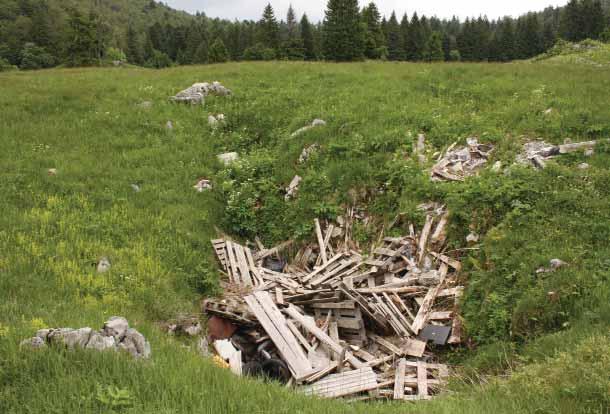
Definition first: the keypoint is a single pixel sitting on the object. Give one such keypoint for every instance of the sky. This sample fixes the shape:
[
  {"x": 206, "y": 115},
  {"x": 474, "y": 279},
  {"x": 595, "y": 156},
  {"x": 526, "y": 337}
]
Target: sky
[{"x": 253, "y": 9}]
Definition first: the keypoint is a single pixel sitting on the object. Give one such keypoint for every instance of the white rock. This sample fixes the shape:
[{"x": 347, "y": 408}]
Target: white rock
[
  {"x": 135, "y": 343},
  {"x": 557, "y": 263},
  {"x": 497, "y": 167},
  {"x": 103, "y": 265},
  {"x": 169, "y": 125},
  {"x": 135, "y": 188},
  {"x": 193, "y": 330},
  {"x": 77, "y": 338},
  {"x": 472, "y": 238},
  {"x": 318, "y": 122},
  {"x": 203, "y": 185},
  {"x": 101, "y": 342},
  {"x": 116, "y": 326},
  {"x": 212, "y": 121},
  {"x": 52, "y": 171},
  {"x": 228, "y": 158},
  {"x": 590, "y": 152},
  {"x": 583, "y": 166},
  {"x": 33, "y": 343}
]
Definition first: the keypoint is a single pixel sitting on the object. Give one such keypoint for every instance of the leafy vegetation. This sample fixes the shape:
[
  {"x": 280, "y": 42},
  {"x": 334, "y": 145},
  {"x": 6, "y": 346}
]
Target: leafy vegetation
[{"x": 88, "y": 124}]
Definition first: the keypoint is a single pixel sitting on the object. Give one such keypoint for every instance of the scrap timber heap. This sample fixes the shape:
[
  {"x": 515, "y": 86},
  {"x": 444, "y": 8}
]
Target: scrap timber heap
[{"x": 333, "y": 323}]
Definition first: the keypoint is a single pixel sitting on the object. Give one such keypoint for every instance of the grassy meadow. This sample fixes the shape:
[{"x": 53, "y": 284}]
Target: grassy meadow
[{"x": 529, "y": 350}]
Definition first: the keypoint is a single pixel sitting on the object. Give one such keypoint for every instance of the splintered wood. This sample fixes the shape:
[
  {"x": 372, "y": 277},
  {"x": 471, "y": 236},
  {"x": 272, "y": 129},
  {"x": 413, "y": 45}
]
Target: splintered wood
[{"x": 335, "y": 322}]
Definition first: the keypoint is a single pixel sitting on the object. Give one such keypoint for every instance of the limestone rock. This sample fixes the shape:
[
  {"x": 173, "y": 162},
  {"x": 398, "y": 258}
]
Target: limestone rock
[
  {"x": 116, "y": 326},
  {"x": 228, "y": 158},
  {"x": 78, "y": 338},
  {"x": 100, "y": 342},
  {"x": 135, "y": 343},
  {"x": 33, "y": 343},
  {"x": 103, "y": 265}
]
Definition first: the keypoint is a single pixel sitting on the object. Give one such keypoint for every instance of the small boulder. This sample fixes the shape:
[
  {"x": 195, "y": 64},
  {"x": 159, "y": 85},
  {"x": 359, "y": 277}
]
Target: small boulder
[
  {"x": 472, "y": 238},
  {"x": 33, "y": 343},
  {"x": 52, "y": 171},
  {"x": 557, "y": 263},
  {"x": 169, "y": 126},
  {"x": 228, "y": 158},
  {"x": 584, "y": 166},
  {"x": 136, "y": 188},
  {"x": 135, "y": 343},
  {"x": 103, "y": 265},
  {"x": 589, "y": 152},
  {"x": 116, "y": 326},
  {"x": 100, "y": 342}
]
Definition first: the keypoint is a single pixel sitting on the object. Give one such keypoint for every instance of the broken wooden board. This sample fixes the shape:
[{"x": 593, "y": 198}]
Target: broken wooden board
[
  {"x": 275, "y": 325},
  {"x": 346, "y": 383}
]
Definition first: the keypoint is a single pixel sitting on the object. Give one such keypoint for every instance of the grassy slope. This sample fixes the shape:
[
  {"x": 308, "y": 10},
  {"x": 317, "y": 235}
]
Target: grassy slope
[
  {"x": 588, "y": 52},
  {"x": 86, "y": 124}
]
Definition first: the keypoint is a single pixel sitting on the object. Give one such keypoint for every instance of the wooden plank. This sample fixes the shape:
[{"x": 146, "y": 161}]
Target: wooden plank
[
  {"x": 322, "y": 373},
  {"x": 448, "y": 260},
  {"x": 321, "y": 268},
  {"x": 387, "y": 344},
  {"x": 279, "y": 296},
  {"x": 422, "y": 379},
  {"x": 253, "y": 267},
  {"x": 349, "y": 304},
  {"x": 297, "y": 333},
  {"x": 321, "y": 241},
  {"x": 321, "y": 335},
  {"x": 323, "y": 277},
  {"x": 414, "y": 347},
  {"x": 423, "y": 239},
  {"x": 440, "y": 316},
  {"x": 242, "y": 262},
  {"x": 399, "y": 380},
  {"x": 399, "y": 314},
  {"x": 439, "y": 232},
  {"x": 232, "y": 267},
  {"x": 426, "y": 307},
  {"x": 281, "y": 336},
  {"x": 338, "y": 385}
]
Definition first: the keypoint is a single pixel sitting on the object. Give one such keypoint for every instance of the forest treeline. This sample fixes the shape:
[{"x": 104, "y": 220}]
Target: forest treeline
[{"x": 45, "y": 33}]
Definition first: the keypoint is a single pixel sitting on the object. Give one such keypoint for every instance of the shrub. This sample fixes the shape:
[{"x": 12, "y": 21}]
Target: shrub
[
  {"x": 159, "y": 60},
  {"x": 114, "y": 54},
  {"x": 5, "y": 65},
  {"x": 218, "y": 52},
  {"x": 35, "y": 57},
  {"x": 259, "y": 52}
]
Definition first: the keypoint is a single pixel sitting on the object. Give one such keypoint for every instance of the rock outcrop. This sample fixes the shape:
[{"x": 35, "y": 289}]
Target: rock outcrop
[{"x": 115, "y": 335}]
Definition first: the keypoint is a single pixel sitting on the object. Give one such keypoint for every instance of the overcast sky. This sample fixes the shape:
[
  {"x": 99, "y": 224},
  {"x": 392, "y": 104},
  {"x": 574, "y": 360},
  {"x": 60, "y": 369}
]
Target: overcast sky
[{"x": 252, "y": 9}]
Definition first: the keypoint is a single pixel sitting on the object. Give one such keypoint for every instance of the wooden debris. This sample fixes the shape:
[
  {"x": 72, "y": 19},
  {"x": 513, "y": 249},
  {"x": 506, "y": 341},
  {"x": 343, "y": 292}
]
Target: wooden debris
[{"x": 345, "y": 324}]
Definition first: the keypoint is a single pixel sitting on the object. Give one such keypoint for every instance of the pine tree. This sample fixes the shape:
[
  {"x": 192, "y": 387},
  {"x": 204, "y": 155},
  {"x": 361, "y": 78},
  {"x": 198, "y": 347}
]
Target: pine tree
[
  {"x": 395, "y": 45},
  {"x": 269, "y": 29},
  {"x": 309, "y": 51},
  {"x": 571, "y": 22},
  {"x": 81, "y": 43},
  {"x": 592, "y": 18},
  {"x": 404, "y": 33},
  {"x": 343, "y": 31},
  {"x": 435, "y": 47},
  {"x": 293, "y": 45},
  {"x": 374, "y": 36},
  {"x": 414, "y": 46},
  {"x": 134, "y": 50}
]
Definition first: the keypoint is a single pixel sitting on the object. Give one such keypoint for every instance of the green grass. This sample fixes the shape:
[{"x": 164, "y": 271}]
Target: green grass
[
  {"x": 588, "y": 52},
  {"x": 87, "y": 124}
]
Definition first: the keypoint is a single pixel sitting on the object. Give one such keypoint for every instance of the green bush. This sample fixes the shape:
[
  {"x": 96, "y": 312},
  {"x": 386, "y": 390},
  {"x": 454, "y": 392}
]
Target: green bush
[
  {"x": 35, "y": 57},
  {"x": 5, "y": 65},
  {"x": 114, "y": 54},
  {"x": 159, "y": 60}
]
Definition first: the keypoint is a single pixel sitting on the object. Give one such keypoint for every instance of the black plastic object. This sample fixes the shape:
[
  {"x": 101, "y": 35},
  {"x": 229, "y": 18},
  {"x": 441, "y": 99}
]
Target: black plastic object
[
  {"x": 437, "y": 334},
  {"x": 275, "y": 264},
  {"x": 252, "y": 369},
  {"x": 274, "y": 369}
]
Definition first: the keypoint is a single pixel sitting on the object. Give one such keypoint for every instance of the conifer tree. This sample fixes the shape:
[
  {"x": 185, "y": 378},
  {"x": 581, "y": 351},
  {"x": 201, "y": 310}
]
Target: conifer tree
[
  {"x": 404, "y": 33},
  {"x": 293, "y": 45},
  {"x": 134, "y": 50},
  {"x": 374, "y": 37},
  {"x": 343, "y": 31},
  {"x": 414, "y": 46},
  {"x": 309, "y": 51},
  {"x": 269, "y": 29},
  {"x": 81, "y": 44},
  {"x": 394, "y": 39}
]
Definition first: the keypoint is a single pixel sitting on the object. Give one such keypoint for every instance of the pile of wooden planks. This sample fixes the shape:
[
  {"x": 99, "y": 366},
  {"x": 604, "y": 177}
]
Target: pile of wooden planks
[
  {"x": 335, "y": 322},
  {"x": 458, "y": 163}
]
